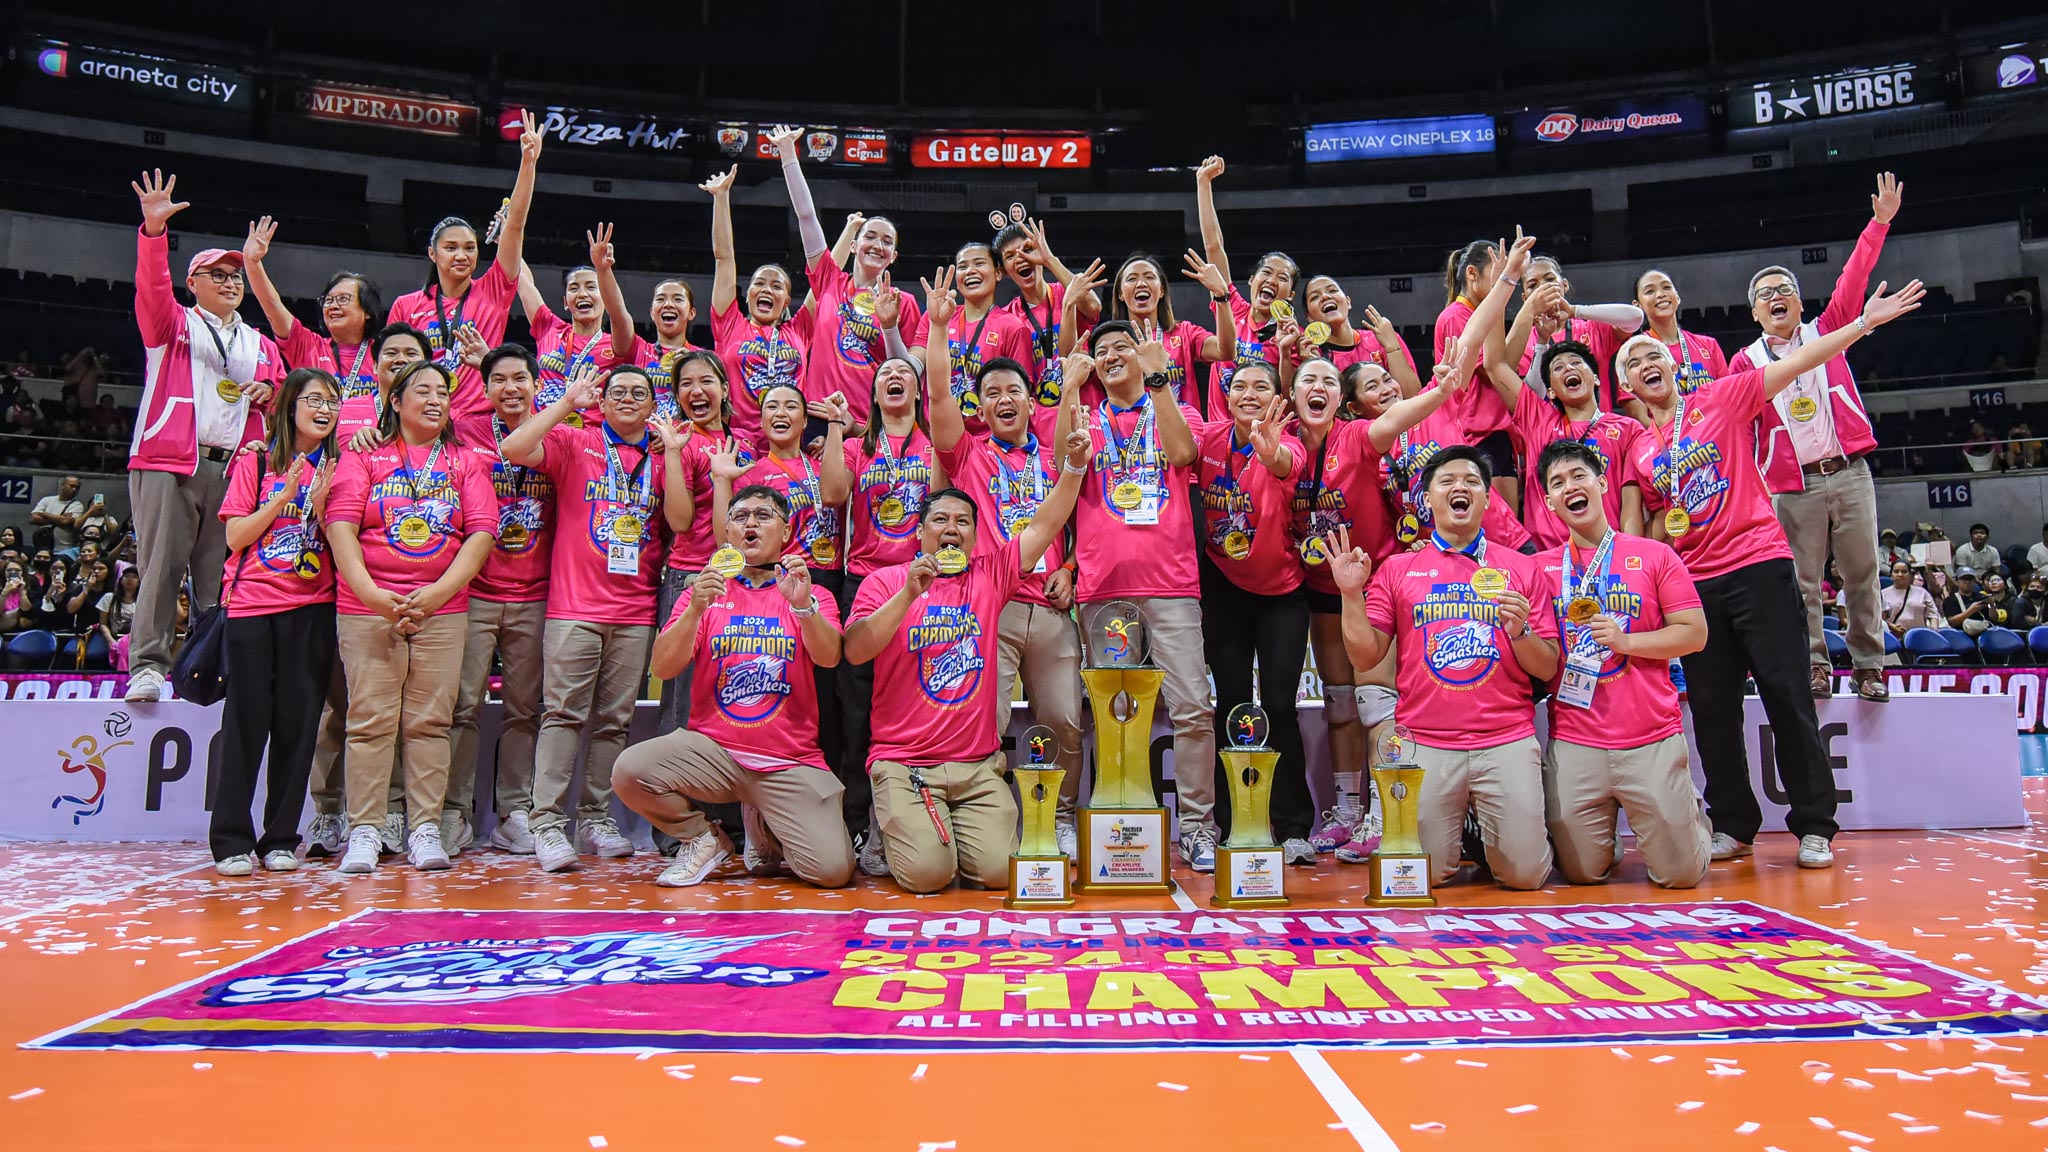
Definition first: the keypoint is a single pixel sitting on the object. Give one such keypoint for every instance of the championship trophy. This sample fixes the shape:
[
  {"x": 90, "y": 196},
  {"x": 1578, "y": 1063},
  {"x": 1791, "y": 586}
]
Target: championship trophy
[
  {"x": 1400, "y": 873},
  {"x": 1248, "y": 863},
  {"x": 1038, "y": 869},
  {"x": 1123, "y": 829}
]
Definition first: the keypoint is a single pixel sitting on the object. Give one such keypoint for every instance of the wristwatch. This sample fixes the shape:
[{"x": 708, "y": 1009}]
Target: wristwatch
[
  {"x": 808, "y": 610},
  {"x": 1156, "y": 380},
  {"x": 1223, "y": 299}
]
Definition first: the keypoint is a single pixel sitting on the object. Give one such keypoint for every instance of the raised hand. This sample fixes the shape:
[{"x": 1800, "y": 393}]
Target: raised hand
[
  {"x": 1265, "y": 433},
  {"x": 1080, "y": 443},
  {"x": 1152, "y": 352},
  {"x": 725, "y": 463},
  {"x": 707, "y": 587},
  {"x": 1037, "y": 251},
  {"x": 667, "y": 438},
  {"x": 888, "y": 305},
  {"x": 602, "y": 258},
  {"x": 1206, "y": 274},
  {"x": 1518, "y": 256},
  {"x": 1077, "y": 367},
  {"x": 1883, "y": 309},
  {"x": 721, "y": 184},
  {"x": 257, "y": 246},
  {"x": 784, "y": 138},
  {"x": 919, "y": 576},
  {"x": 1382, "y": 328},
  {"x": 530, "y": 140},
  {"x": 1349, "y": 567},
  {"x": 1091, "y": 278},
  {"x": 1514, "y": 612},
  {"x": 1885, "y": 203},
  {"x": 154, "y": 193},
  {"x": 1286, "y": 333},
  {"x": 583, "y": 391},
  {"x": 939, "y": 301},
  {"x": 793, "y": 580},
  {"x": 470, "y": 344},
  {"x": 1209, "y": 170}
]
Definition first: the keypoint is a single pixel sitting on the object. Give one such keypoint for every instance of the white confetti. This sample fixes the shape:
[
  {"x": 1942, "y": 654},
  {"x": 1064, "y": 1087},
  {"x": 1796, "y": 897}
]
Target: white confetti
[
  {"x": 1662, "y": 1059},
  {"x": 1426, "y": 1126},
  {"x": 1856, "y": 1136},
  {"x": 1983, "y": 1116},
  {"x": 1921, "y": 1129},
  {"x": 1822, "y": 1122},
  {"x": 1473, "y": 1063},
  {"x": 1691, "y": 1105},
  {"x": 1518, "y": 1109},
  {"x": 26, "y": 1094},
  {"x": 918, "y": 1074},
  {"x": 746, "y": 1079},
  {"x": 1170, "y": 1086},
  {"x": 1411, "y": 1058},
  {"x": 1746, "y": 1127},
  {"x": 789, "y": 1141},
  {"x": 599, "y": 1142},
  {"x": 201, "y": 1066},
  {"x": 1249, "y": 1056}
]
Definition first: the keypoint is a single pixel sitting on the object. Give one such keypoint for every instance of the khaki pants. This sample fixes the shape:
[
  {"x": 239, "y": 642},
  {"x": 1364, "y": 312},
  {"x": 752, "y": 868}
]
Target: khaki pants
[
  {"x": 592, "y": 674},
  {"x": 178, "y": 529},
  {"x": 400, "y": 690},
  {"x": 980, "y": 814},
  {"x": 1043, "y": 643},
  {"x": 512, "y": 632},
  {"x": 1174, "y": 626},
  {"x": 329, "y": 769},
  {"x": 1504, "y": 784},
  {"x": 1581, "y": 789},
  {"x": 1838, "y": 513},
  {"x": 660, "y": 777}
]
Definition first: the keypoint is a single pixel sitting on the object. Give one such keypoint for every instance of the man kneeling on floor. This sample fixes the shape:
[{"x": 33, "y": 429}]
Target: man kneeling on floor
[
  {"x": 1625, "y": 608},
  {"x": 930, "y": 626},
  {"x": 753, "y": 734}
]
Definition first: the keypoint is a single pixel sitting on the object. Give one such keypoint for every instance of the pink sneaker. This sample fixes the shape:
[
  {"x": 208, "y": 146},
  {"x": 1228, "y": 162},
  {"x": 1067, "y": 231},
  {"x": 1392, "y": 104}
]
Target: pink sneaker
[
  {"x": 1333, "y": 829},
  {"x": 1363, "y": 842}
]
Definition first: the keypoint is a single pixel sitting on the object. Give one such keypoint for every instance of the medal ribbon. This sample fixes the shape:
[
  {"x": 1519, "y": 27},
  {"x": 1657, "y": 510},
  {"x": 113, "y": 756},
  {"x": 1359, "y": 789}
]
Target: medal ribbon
[
  {"x": 1589, "y": 580},
  {"x": 635, "y": 488},
  {"x": 519, "y": 471},
  {"x": 348, "y": 382},
  {"x": 1141, "y": 435},
  {"x": 1012, "y": 473},
  {"x": 227, "y": 372},
  {"x": 809, "y": 486},
  {"x": 444, "y": 336},
  {"x": 1669, "y": 474}
]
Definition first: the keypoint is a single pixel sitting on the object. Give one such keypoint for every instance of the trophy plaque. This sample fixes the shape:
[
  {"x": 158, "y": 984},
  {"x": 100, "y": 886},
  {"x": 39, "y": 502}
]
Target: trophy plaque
[
  {"x": 1248, "y": 863},
  {"x": 1123, "y": 830},
  {"x": 1400, "y": 870},
  {"x": 1038, "y": 869}
]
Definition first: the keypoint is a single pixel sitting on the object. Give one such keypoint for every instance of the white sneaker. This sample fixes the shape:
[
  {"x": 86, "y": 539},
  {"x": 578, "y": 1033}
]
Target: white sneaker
[
  {"x": 145, "y": 687},
  {"x": 552, "y": 847},
  {"x": 281, "y": 861},
  {"x": 361, "y": 856},
  {"x": 1726, "y": 847},
  {"x": 1365, "y": 840},
  {"x": 455, "y": 832},
  {"x": 1199, "y": 848},
  {"x": 697, "y": 860},
  {"x": 874, "y": 857},
  {"x": 1816, "y": 852},
  {"x": 327, "y": 835},
  {"x": 1296, "y": 850},
  {"x": 1069, "y": 839},
  {"x": 1335, "y": 828},
  {"x": 424, "y": 849},
  {"x": 241, "y": 865},
  {"x": 763, "y": 853},
  {"x": 392, "y": 835},
  {"x": 603, "y": 838},
  {"x": 513, "y": 835}
]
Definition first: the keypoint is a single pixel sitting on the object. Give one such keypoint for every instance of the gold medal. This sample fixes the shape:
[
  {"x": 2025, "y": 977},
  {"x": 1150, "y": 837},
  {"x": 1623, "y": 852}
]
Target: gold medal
[
  {"x": 727, "y": 562},
  {"x": 1237, "y": 545},
  {"x": 951, "y": 561},
  {"x": 308, "y": 567},
  {"x": 823, "y": 550},
  {"x": 627, "y": 529},
  {"x": 1314, "y": 551},
  {"x": 513, "y": 536},
  {"x": 1804, "y": 409},
  {"x": 890, "y": 512},
  {"x": 229, "y": 391},
  {"x": 1127, "y": 496},
  {"x": 414, "y": 531},
  {"x": 1317, "y": 333},
  {"x": 1410, "y": 529},
  {"x": 1581, "y": 610},
  {"x": 1280, "y": 310},
  {"x": 574, "y": 420},
  {"x": 864, "y": 302},
  {"x": 1018, "y": 524},
  {"x": 1677, "y": 522},
  {"x": 1489, "y": 583}
]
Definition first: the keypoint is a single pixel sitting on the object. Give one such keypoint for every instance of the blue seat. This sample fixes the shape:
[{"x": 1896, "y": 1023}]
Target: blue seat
[
  {"x": 2037, "y": 639},
  {"x": 1892, "y": 647},
  {"x": 1926, "y": 646},
  {"x": 1830, "y": 624},
  {"x": 1838, "y": 648},
  {"x": 1961, "y": 644},
  {"x": 32, "y": 651},
  {"x": 2001, "y": 646}
]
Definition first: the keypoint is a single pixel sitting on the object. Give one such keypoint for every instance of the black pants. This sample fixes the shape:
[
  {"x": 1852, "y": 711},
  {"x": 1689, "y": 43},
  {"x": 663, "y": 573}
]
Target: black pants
[
  {"x": 1756, "y": 625},
  {"x": 278, "y": 666},
  {"x": 845, "y": 694},
  {"x": 1238, "y": 627}
]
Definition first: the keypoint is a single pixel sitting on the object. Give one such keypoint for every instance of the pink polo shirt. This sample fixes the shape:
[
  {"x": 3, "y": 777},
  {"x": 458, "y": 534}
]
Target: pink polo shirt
[
  {"x": 759, "y": 357},
  {"x": 753, "y": 690},
  {"x": 816, "y": 531},
  {"x": 1247, "y": 511},
  {"x": 1341, "y": 487},
  {"x": 355, "y": 365},
  {"x": 1119, "y": 555},
  {"x": 974, "y": 344},
  {"x": 592, "y": 510},
  {"x": 288, "y": 567},
  {"x": 1716, "y": 479},
  {"x": 413, "y": 507},
  {"x": 1537, "y": 422},
  {"x": 1008, "y": 483},
  {"x": 1641, "y": 583}
]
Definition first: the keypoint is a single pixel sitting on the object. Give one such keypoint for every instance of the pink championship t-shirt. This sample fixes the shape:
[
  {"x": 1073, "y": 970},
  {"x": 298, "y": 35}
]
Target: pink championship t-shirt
[
  {"x": 759, "y": 357},
  {"x": 1412, "y": 452},
  {"x": 487, "y": 304},
  {"x": 517, "y": 569},
  {"x": 1639, "y": 585},
  {"x": 1042, "y": 329},
  {"x": 1008, "y": 483},
  {"x": 1713, "y": 470},
  {"x": 1699, "y": 360},
  {"x": 288, "y": 567},
  {"x": 595, "y": 508},
  {"x": 816, "y": 530},
  {"x": 357, "y": 413},
  {"x": 352, "y": 364},
  {"x": 1247, "y": 512},
  {"x": 1604, "y": 339},
  {"x": 690, "y": 550},
  {"x": 889, "y": 490},
  {"x": 413, "y": 506},
  {"x": 562, "y": 354},
  {"x": 973, "y": 344},
  {"x": 846, "y": 345},
  {"x": 1477, "y": 407},
  {"x": 1537, "y": 423},
  {"x": 1341, "y": 487},
  {"x": 935, "y": 680},
  {"x": 752, "y": 689},
  {"x": 1142, "y": 551},
  {"x": 655, "y": 357},
  {"x": 1461, "y": 686}
]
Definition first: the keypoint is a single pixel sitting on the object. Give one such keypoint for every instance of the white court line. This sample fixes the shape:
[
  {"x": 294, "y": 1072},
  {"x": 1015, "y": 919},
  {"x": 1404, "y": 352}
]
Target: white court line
[
  {"x": 96, "y": 897},
  {"x": 1182, "y": 900},
  {"x": 1991, "y": 840},
  {"x": 1338, "y": 1095}
]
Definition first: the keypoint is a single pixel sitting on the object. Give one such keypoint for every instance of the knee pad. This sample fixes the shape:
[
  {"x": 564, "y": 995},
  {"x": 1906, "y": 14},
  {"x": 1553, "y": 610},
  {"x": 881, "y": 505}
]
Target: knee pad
[
  {"x": 1375, "y": 704},
  {"x": 1340, "y": 705}
]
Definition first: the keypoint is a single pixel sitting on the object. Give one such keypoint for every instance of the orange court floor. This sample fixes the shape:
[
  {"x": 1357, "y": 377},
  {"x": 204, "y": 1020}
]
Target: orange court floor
[{"x": 85, "y": 930}]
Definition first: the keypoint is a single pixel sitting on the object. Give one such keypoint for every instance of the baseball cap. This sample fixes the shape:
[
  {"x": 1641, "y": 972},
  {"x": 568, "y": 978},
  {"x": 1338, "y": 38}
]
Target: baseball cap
[
  {"x": 1966, "y": 570},
  {"x": 1889, "y": 533},
  {"x": 212, "y": 256}
]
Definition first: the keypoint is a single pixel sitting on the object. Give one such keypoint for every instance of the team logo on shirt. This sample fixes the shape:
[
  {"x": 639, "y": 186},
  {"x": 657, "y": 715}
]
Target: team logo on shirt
[
  {"x": 946, "y": 640},
  {"x": 765, "y": 363},
  {"x": 1702, "y": 486},
  {"x": 754, "y": 654},
  {"x": 1617, "y": 601},
  {"x": 896, "y": 499},
  {"x": 288, "y": 540},
  {"x": 1405, "y": 476},
  {"x": 519, "y": 523},
  {"x": 1459, "y": 638},
  {"x": 416, "y": 527},
  {"x": 966, "y": 360},
  {"x": 858, "y": 336},
  {"x": 618, "y": 524},
  {"x": 1228, "y": 510}
]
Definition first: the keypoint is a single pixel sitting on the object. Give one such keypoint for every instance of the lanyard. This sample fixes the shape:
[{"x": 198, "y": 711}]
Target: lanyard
[
  {"x": 636, "y": 487},
  {"x": 1011, "y": 481},
  {"x": 405, "y": 471},
  {"x": 585, "y": 355},
  {"x": 1685, "y": 351},
  {"x": 302, "y": 501},
  {"x": 235, "y": 337},
  {"x": 354, "y": 370},
  {"x": 519, "y": 471},
  {"x": 1589, "y": 581},
  {"x": 1239, "y": 459},
  {"x": 1587, "y": 435},
  {"x": 1042, "y": 339},
  {"x": 1141, "y": 435},
  {"x": 444, "y": 336},
  {"x": 1669, "y": 475},
  {"x": 891, "y": 455},
  {"x": 808, "y": 485}
]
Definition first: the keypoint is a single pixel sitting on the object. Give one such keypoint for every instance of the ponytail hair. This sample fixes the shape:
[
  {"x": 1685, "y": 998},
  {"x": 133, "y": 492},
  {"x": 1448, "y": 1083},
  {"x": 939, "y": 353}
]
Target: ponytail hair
[{"x": 1462, "y": 260}]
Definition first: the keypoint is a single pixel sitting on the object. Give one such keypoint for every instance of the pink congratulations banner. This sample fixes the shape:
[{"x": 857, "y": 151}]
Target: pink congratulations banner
[{"x": 816, "y": 980}]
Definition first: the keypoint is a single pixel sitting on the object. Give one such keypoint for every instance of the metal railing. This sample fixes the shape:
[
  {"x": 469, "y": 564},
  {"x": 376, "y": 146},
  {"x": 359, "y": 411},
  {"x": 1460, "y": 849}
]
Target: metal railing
[
  {"x": 107, "y": 457},
  {"x": 1963, "y": 460}
]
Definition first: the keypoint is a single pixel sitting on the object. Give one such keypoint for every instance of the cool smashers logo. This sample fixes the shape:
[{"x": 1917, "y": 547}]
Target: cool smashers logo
[
  {"x": 87, "y": 757},
  {"x": 1458, "y": 635},
  {"x": 946, "y": 640}
]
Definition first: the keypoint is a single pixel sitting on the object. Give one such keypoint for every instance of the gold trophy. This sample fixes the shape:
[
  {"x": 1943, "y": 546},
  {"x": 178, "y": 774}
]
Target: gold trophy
[
  {"x": 1400, "y": 873},
  {"x": 1123, "y": 828},
  {"x": 1038, "y": 869},
  {"x": 1248, "y": 863}
]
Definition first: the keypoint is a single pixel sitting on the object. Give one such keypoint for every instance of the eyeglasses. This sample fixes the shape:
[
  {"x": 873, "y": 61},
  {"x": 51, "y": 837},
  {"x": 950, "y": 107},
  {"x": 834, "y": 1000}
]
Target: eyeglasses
[
  {"x": 755, "y": 516},
  {"x": 630, "y": 395},
  {"x": 321, "y": 403},
  {"x": 220, "y": 277},
  {"x": 336, "y": 301},
  {"x": 1770, "y": 291}
]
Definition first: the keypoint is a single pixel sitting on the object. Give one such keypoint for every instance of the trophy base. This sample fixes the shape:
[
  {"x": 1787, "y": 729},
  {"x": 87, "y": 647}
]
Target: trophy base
[
  {"x": 1400, "y": 881},
  {"x": 1124, "y": 850},
  {"x": 1038, "y": 882},
  {"x": 1249, "y": 878}
]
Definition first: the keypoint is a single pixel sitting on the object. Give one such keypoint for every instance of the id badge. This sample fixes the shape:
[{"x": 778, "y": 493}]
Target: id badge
[
  {"x": 1147, "y": 511},
  {"x": 1581, "y": 677},
  {"x": 1041, "y": 568},
  {"x": 622, "y": 559}
]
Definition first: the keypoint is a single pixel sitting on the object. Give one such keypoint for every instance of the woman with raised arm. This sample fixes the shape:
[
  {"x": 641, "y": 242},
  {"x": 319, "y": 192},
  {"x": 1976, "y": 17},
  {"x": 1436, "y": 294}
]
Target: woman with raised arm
[
  {"x": 672, "y": 309},
  {"x": 1549, "y": 317},
  {"x": 590, "y": 296},
  {"x": 1260, "y": 320},
  {"x": 979, "y": 332},
  {"x": 1142, "y": 300},
  {"x": 350, "y": 310},
  {"x": 1345, "y": 345},
  {"x": 456, "y": 294},
  {"x": 1043, "y": 285},
  {"x": 763, "y": 340}
]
